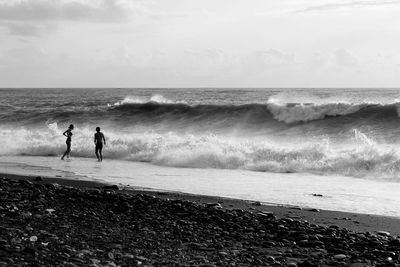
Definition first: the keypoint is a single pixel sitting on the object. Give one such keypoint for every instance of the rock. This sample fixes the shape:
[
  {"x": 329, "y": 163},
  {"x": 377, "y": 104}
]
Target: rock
[
  {"x": 394, "y": 242},
  {"x": 214, "y": 205},
  {"x": 314, "y": 210},
  {"x": 33, "y": 238},
  {"x": 270, "y": 259},
  {"x": 306, "y": 263},
  {"x": 317, "y": 195},
  {"x": 141, "y": 258},
  {"x": 94, "y": 191},
  {"x": 25, "y": 182},
  {"x": 266, "y": 213},
  {"x": 29, "y": 250},
  {"x": 383, "y": 233},
  {"x": 340, "y": 257},
  {"x": 110, "y": 255},
  {"x": 39, "y": 179},
  {"x": 256, "y": 203},
  {"x": 115, "y": 246},
  {"x": 95, "y": 261},
  {"x": 77, "y": 260},
  {"x": 111, "y": 187},
  {"x": 50, "y": 211},
  {"x": 26, "y": 214},
  {"x": 127, "y": 256}
]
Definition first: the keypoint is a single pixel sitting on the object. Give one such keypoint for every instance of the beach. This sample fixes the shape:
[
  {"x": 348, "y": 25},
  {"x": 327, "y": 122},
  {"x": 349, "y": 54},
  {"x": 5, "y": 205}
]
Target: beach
[
  {"x": 199, "y": 133},
  {"x": 54, "y": 221},
  {"x": 198, "y": 177}
]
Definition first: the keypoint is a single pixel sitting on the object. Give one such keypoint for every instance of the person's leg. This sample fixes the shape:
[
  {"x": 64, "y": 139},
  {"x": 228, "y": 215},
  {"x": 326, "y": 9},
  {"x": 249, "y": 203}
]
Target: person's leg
[
  {"x": 68, "y": 150},
  {"x": 97, "y": 153},
  {"x": 66, "y": 153},
  {"x": 101, "y": 156}
]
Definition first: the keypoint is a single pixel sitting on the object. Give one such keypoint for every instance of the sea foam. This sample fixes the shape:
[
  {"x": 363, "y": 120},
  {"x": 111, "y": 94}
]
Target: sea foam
[{"x": 363, "y": 157}]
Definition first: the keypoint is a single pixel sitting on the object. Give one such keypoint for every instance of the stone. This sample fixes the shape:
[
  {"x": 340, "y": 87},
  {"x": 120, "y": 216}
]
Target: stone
[
  {"x": 214, "y": 205},
  {"x": 270, "y": 259},
  {"x": 317, "y": 195},
  {"x": 307, "y": 263},
  {"x": 314, "y": 210},
  {"x": 340, "y": 257},
  {"x": 127, "y": 256},
  {"x": 383, "y": 233},
  {"x": 111, "y": 187},
  {"x": 39, "y": 179},
  {"x": 29, "y": 250},
  {"x": 266, "y": 213}
]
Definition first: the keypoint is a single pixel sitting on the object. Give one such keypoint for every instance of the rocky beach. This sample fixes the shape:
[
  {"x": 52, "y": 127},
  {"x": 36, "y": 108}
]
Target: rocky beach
[{"x": 55, "y": 222}]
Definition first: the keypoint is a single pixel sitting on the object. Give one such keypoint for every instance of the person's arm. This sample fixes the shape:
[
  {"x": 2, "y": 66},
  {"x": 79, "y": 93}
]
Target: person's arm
[
  {"x": 104, "y": 138},
  {"x": 64, "y": 133},
  {"x": 94, "y": 139}
]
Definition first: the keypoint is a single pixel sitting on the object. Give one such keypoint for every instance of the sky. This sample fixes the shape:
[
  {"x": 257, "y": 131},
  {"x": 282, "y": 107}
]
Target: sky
[{"x": 199, "y": 43}]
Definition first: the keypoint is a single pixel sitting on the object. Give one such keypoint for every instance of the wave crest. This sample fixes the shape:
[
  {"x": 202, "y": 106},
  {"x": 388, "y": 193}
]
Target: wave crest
[
  {"x": 303, "y": 112},
  {"x": 157, "y": 98}
]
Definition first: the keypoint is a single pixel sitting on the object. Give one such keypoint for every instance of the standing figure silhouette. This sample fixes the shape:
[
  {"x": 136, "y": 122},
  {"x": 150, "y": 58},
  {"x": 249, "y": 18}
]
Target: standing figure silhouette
[
  {"x": 98, "y": 141},
  {"x": 68, "y": 134}
]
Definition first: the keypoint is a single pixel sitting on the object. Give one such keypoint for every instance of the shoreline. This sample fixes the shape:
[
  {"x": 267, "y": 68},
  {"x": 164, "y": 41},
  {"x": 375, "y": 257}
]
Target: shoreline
[
  {"x": 356, "y": 222},
  {"x": 54, "y": 221}
]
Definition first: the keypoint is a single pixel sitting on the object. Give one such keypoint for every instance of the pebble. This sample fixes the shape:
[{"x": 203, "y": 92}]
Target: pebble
[
  {"x": 314, "y": 210},
  {"x": 383, "y": 233},
  {"x": 99, "y": 228},
  {"x": 111, "y": 187},
  {"x": 340, "y": 257}
]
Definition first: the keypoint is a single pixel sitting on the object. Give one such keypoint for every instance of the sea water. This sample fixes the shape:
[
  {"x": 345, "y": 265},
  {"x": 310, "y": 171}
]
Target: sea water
[{"x": 272, "y": 145}]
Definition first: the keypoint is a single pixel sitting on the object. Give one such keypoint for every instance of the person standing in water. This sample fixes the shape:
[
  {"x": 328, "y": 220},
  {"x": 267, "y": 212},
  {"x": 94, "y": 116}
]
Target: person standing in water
[
  {"x": 68, "y": 134},
  {"x": 98, "y": 141}
]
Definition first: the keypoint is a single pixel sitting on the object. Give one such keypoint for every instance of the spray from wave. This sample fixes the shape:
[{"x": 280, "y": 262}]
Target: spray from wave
[
  {"x": 155, "y": 99},
  {"x": 364, "y": 158}
]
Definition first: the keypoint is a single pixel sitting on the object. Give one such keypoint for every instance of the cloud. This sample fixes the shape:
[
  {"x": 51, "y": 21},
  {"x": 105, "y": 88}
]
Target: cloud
[
  {"x": 345, "y": 59},
  {"x": 28, "y": 29},
  {"x": 48, "y": 10},
  {"x": 266, "y": 59},
  {"x": 349, "y": 4}
]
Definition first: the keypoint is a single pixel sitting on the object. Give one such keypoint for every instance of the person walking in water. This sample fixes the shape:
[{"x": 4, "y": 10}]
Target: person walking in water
[
  {"x": 68, "y": 134},
  {"x": 98, "y": 141}
]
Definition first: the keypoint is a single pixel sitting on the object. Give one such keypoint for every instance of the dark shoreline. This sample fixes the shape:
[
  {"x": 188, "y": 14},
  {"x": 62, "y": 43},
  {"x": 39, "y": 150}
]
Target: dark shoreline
[
  {"x": 94, "y": 225},
  {"x": 356, "y": 222}
]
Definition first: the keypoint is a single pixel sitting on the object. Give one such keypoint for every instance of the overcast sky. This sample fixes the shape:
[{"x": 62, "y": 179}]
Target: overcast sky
[{"x": 199, "y": 43}]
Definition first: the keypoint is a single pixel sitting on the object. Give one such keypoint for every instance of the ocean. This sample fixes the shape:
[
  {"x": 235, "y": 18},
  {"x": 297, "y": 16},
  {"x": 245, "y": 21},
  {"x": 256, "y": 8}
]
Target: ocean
[{"x": 273, "y": 145}]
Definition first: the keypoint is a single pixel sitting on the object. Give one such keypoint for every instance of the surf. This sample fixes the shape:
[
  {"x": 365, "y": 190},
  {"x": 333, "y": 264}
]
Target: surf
[{"x": 360, "y": 157}]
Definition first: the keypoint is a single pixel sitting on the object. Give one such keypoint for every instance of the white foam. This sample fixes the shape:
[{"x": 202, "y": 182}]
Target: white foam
[
  {"x": 301, "y": 112},
  {"x": 360, "y": 157},
  {"x": 157, "y": 98}
]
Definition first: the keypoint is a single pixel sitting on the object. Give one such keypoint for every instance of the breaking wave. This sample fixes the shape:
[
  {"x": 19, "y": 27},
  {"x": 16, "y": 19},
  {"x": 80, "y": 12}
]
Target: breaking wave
[
  {"x": 133, "y": 110},
  {"x": 363, "y": 158}
]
